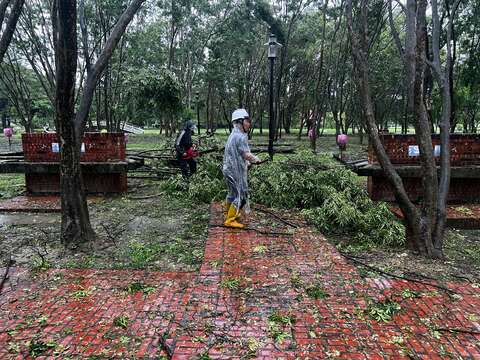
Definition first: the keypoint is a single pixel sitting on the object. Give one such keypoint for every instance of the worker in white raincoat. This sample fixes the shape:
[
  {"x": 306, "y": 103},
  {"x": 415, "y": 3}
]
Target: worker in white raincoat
[{"x": 235, "y": 164}]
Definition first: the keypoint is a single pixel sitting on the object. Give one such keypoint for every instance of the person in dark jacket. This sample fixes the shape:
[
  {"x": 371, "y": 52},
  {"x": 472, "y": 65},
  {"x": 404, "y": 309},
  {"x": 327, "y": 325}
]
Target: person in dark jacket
[{"x": 185, "y": 150}]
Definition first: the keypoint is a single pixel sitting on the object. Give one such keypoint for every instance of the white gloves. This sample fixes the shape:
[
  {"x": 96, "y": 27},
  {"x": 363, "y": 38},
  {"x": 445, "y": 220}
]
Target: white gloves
[{"x": 251, "y": 158}]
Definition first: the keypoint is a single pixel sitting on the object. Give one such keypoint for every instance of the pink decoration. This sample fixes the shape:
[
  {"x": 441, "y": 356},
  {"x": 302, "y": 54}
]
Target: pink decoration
[
  {"x": 310, "y": 133},
  {"x": 8, "y": 132},
  {"x": 342, "y": 139}
]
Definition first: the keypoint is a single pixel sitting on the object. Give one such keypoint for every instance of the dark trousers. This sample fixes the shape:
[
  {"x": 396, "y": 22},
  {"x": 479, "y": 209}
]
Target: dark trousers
[{"x": 188, "y": 167}]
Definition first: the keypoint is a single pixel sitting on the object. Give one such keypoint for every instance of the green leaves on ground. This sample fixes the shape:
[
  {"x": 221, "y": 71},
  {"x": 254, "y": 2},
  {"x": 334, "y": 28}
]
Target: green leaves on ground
[
  {"x": 280, "y": 326},
  {"x": 334, "y": 199},
  {"x": 121, "y": 321},
  {"x": 137, "y": 287},
  {"x": 383, "y": 311}
]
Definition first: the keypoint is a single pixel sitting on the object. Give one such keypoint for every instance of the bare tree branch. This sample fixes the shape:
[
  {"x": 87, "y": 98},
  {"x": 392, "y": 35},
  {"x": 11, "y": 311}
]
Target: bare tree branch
[
  {"x": 10, "y": 27},
  {"x": 101, "y": 63}
]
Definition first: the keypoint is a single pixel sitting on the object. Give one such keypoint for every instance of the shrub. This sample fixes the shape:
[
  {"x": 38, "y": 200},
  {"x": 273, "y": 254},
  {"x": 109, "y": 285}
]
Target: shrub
[
  {"x": 366, "y": 221},
  {"x": 206, "y": 185}
]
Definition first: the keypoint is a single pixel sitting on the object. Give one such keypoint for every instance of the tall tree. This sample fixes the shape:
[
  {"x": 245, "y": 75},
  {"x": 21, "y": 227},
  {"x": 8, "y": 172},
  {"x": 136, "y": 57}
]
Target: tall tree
[
  {"x": 76, "y": 225},
  {"x": 425, "y": 225}
]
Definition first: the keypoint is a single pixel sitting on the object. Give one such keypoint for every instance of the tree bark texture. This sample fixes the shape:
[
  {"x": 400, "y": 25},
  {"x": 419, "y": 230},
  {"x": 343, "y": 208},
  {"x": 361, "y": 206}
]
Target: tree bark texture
[
  {"x": 419, "y": 222},
  {"x": 76, "y": 227},
  {"x": 444, "y": 82}
]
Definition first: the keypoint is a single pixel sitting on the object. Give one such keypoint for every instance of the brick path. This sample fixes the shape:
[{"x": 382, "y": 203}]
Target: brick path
[{"x": 256, "y": 295}]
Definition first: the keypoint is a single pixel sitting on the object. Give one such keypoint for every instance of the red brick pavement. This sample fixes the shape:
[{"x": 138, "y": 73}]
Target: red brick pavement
[{"x": 263, "y": 296}]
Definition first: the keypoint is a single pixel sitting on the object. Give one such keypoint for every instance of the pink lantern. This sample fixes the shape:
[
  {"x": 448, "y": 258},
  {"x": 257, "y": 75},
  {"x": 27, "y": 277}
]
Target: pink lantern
[
  {"x": 311, "y": 134},
  {"x": 342, "y": 141},
  {"x": 8, "y": 132}
]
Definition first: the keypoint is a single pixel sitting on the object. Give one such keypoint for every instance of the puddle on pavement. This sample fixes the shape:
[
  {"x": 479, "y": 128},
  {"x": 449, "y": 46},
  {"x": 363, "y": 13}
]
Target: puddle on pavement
[{"x": 28, "y": 219}]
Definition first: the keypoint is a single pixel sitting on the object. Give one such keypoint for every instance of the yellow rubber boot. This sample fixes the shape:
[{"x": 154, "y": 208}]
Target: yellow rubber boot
[
  {"x": 241, "y": 216},
  {"x": 226, "y": 205},
  {"x": 231, "y": 220}
]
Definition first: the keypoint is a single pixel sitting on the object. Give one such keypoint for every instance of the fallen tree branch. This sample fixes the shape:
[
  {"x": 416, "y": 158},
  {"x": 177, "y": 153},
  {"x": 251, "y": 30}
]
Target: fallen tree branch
[
  {"x": 275, "y": 216},
  {"x": 253, "y": 229},
  {"x": 457, "y": 330},
  {"x": 352, "y": 258},
  {"x": 145, "y": 197},
  {"x": 165, "y": 347},
  {"x": 10, "y": 262},
  {"x": 109, "y": 234},
  {"x": 461, "y": 277},
  {"x": 148, "y": 177}
]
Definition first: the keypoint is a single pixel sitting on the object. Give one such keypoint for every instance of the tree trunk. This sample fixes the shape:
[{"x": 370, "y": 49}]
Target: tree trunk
[
  {"x": 419, "y": 224},
  {"x": 76, "y": 227},
  {"x": 424, "y": 138},
  {"x": 9, "y": 29}
]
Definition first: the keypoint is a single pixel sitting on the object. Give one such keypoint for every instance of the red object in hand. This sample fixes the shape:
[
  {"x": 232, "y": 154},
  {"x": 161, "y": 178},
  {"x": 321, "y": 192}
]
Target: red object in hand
[{"x": 190, "y": 154}]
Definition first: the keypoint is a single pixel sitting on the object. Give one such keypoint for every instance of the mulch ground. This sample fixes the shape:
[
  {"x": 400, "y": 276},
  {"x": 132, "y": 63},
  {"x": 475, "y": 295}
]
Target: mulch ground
[
  {"x": 465, "y": 216},
  {"x": 260, "y": 293}
]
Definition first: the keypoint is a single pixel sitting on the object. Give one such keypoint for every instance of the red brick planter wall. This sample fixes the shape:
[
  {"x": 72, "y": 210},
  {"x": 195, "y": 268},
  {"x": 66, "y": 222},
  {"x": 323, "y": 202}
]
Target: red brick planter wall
[
  {"x": 99, "y": 147},
  {"x": 465, "y": 149}
]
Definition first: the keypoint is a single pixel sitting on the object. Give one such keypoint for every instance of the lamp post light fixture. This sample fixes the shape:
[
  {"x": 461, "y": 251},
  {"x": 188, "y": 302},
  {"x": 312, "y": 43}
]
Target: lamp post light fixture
[{"x": 273, "y": 47}]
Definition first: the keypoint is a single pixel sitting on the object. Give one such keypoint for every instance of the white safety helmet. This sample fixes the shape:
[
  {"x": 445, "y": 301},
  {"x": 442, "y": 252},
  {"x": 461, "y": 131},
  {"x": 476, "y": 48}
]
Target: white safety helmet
[{"x": 239, "y": 114}]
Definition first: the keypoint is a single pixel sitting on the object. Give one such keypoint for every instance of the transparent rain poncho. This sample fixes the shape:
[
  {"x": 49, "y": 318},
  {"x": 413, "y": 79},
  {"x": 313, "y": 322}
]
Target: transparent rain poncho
[{"x": 235, "y": 169}]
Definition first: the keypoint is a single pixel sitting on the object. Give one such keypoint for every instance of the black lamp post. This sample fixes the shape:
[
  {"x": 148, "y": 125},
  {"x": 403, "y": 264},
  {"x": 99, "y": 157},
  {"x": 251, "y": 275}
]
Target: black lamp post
[
  {"x": 273, "y": 46},
  {"x": 198, "y": 112}
]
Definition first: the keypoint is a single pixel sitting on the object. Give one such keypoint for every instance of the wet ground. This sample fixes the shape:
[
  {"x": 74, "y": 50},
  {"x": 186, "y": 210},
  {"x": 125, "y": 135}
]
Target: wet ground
[
  {"x": 28, "y": 219},
  {"x": 143, "y": 229}
]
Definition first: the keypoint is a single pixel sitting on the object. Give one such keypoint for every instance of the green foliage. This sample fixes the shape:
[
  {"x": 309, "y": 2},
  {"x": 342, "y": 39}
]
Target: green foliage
[
  {"x": 232, "y": 284},
  {"x": 40, "y": 264},
  {"x": 316, "y": 292},
  {"x": 356, "y": 215},
  {"x": 136, "y": 287},
  {"x": 141, "y": 255},
  {"x": 11, "y": 185},
  {"x": 333, "y": 198},
  {"x": 383, "y": 311},
  {"x": 154, "y": 91},
  {"x": 410, "y": 294},
  {"x": 38, "y": 347},
  {"x": 280, "y": 326},
  {"x": 206, "y": 185},
  {"x": 121, "y": 321},
  {"x": 82, "y": 293},
  {"x": 204, "y": 356}
]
